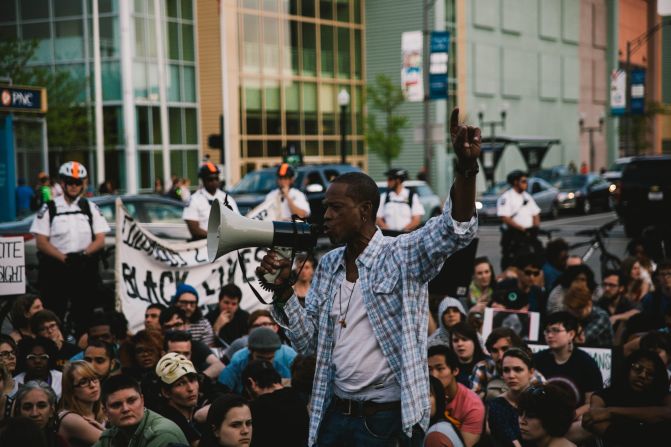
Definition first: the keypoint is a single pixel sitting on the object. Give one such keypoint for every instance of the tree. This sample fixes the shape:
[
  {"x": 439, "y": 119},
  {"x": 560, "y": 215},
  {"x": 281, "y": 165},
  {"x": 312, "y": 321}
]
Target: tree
[
  {"x": 385, "y": 97},
  {"x": 67, "y": 122}
]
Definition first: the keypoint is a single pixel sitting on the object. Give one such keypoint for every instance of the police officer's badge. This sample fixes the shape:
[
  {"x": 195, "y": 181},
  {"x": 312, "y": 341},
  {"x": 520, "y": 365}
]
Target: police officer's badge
[{"x": 43, "y": 209}]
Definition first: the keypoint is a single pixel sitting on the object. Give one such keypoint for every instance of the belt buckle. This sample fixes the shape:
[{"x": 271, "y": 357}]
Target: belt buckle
[{"x": 349, "y": 408}]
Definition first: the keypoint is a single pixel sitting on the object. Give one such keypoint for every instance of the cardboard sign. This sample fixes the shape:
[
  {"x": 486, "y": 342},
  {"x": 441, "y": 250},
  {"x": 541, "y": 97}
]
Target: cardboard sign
[
  {"x": 525, "y": 324},
  {"x": 12, "y": 266}
]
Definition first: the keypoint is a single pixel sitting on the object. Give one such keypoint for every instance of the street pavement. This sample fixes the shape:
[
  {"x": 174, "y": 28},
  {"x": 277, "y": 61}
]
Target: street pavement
[{"x": 568, "y": 225}]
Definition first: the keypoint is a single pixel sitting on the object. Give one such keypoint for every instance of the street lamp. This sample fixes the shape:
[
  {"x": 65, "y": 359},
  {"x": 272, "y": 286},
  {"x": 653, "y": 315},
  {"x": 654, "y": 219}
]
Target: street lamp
[
  {"x": 343, "y": 101},
  {"x": 590, "y": 130},
  {"x": 489, "y": 173}
]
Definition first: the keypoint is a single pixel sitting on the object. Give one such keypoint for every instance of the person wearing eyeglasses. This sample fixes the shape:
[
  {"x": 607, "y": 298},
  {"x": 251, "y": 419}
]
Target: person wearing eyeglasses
[
  {"x": 37, "y": 361},
  {"x": 565, "y": 362},
  {"x": 186, "y": 298},
  {"x": 70, "y": 232},
  {"x": 519, "y": 215},
  {"x": 613, "y": 301},
  {"x": 47, "y": 324},
  {"x": 80, "y": 419},
  {"x": 636, "y": 408}
]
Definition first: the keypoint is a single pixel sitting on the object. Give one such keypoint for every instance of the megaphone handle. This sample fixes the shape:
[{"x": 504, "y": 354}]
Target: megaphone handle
[{"x": 285, "y": 252}]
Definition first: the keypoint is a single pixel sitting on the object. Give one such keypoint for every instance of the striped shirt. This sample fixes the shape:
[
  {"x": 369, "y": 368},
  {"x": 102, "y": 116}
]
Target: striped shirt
[
  {"x": 394, "y": 275},
  {"x": 201, "y": 330}
]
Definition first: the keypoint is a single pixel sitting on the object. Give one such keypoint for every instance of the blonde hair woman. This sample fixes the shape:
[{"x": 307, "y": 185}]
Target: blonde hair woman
[{"x": 80, "y": 419}]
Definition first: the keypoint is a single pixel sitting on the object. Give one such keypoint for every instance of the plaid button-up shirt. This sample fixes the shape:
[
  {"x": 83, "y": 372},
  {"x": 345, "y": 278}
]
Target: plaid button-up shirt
[{"x": 394, "y": 275}]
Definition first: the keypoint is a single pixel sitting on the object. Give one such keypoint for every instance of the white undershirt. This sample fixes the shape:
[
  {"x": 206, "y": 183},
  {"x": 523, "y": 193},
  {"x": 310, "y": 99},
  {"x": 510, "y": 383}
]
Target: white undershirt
[{"x": 362, "y": 371}]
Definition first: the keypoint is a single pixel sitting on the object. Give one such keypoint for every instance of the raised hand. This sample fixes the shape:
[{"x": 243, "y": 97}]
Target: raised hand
[{"x": 465, "y": 140}]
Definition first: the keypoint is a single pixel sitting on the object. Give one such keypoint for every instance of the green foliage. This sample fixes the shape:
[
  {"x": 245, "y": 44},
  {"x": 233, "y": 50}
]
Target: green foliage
[
  {"x": 67, "y": 122},
  {"x": 385, "y": 140}
]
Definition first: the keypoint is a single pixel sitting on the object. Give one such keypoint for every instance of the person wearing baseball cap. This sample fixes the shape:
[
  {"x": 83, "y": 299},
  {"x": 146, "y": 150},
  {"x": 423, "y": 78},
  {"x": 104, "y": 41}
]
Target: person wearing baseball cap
[
  {"x": 180, "y": 392},
  {"x": 262, "y": 344},
  {"x": 400, "y": 208},
  {"x": 197, "y": 212},
  {"x": 288, "y": 201}
]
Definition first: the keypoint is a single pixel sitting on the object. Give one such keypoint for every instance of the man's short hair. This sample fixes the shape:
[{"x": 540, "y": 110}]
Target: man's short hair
[
  {"x": 503, "y": 332},
  {"x": 565, "y": 318},
  {"x": 527, "y": 259},
  {"x": 231, "y": 291},
  {"x": 262, "y": 372},
  {"x": 167, "y": 314},
  {"x": 99, "y": 319},
  {"x": 361, "y": 188},
  {"x": 259, "y": 313},
  {"x": 554, "y": 248},
  {"x": 620, "y": 278},
  {"x": 158, "y": 306},
  {"x": 117, "y": 383},
  {"x": 42, "y": 317},
  {"x": 451, "y": 359},
  {"x": 175, "y": 336}
]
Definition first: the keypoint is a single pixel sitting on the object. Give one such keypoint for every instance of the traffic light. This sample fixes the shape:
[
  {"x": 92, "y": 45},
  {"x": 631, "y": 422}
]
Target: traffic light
[{"x": 216, "y": 141}]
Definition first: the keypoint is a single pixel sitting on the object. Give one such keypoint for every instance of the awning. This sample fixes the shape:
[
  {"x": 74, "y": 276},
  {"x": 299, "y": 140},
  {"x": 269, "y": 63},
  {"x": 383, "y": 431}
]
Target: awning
[{"x": 533, "y": 149}]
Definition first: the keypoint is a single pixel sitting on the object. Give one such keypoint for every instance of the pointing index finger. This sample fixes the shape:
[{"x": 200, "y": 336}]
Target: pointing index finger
[{"x": 454, "y": 121}]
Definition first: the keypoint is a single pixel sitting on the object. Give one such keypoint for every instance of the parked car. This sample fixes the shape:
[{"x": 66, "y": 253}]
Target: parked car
[
  {"x": 312, "y": 180},
  {"x": 160, "y": 215},
  {"x": 643, "y": 196},
  {"x": 553, "y": 174},
  {"x": 543, "y": 193},
  {"x": 614, "y": 173},
  {"x": 432, "y": 204},
  {"x": 583, "y": 193}
]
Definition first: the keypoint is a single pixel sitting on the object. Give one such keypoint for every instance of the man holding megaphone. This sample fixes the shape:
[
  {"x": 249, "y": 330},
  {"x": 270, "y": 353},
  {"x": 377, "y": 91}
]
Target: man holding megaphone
[{"x": 366, "y": 314}]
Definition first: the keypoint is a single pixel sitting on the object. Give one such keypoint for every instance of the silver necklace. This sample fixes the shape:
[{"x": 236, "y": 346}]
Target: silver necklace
[{"x": 343, "y": 317}]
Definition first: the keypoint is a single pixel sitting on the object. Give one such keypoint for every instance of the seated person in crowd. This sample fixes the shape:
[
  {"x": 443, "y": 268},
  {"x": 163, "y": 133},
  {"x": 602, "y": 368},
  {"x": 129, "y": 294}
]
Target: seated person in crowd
[
  {"x": 466, "y": 344},
  {"x": 47, "y": 324},
  {"x": 463, "y": 407},
  {"x": 99, "y": 328},
  {"x": 441, "y": 432},
  {"x": 80, "y": 420},
  {"x": 174, "y": 319},
  {"x": 482, "y": 285},
  {"x": 574, "y": 275},
  {"x": 450, "y": 312},
  {"x": 37, "y": 361},
  {"x": 636, "y": 408},
  {"x": 262, "y": 344},
  {"x": 594, "y": 320},
  {"x": 545, "y": 416},
  {"x": 230, "y": 321},
  {"x": 613, "y": 301},
  {"x": 102, "y": 358},
  {"x": 186, "y": 298},
  {"x": 152, "y": 315},
  {"x": 531, "y": 282},
  {"x": 657, "y": 304},
  {"x": 279, "y": 414},
  {"x": 123, "y": 405},
  {"x": 556, "y": 255}
]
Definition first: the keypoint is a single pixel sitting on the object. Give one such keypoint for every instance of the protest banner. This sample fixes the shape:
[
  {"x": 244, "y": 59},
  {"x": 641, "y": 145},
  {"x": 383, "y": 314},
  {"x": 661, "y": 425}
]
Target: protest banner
[
  {"x": 12, "y": 266},
  {"x": 149, "y": 268},
  {"x": 602, "y": 356}
]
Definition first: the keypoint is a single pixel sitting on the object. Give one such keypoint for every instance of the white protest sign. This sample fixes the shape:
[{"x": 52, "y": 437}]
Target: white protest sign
[
  {"x": 524, "y": 323},
  {"x": 148, "y": 269},
  {"x": 12, "y": 266},
  {"x": 602, "y": 356}
]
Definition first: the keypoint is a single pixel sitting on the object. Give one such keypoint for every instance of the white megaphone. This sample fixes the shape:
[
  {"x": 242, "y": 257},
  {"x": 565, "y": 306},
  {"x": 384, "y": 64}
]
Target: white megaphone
[{"x": 228, "y": 231}]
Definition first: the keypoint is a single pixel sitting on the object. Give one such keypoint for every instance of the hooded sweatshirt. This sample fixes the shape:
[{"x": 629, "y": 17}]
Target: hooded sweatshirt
[{"x": 442, "y": 335}]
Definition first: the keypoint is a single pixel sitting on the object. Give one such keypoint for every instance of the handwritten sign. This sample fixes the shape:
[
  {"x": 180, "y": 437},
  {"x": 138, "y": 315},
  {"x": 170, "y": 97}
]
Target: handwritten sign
[{"x": 12, "y": 266}]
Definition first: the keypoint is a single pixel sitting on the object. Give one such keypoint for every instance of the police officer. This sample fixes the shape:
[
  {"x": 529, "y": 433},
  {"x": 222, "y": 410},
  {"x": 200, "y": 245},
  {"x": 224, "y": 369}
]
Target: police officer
[
  {"x": 70, "y": 232},
  {"x": 400, "y": 209},
  {"x": 197, "y": 212},
  {"x": 288, "y": 201},
  {"x": 520, "y": 217}
]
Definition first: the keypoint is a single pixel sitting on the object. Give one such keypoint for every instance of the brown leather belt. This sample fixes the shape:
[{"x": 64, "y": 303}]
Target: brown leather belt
[{"x": 362, "y": 408}]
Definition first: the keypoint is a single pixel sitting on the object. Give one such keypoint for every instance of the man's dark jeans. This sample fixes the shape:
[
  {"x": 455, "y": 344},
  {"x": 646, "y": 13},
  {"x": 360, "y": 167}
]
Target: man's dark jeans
[{"x": 382, "y": 429}]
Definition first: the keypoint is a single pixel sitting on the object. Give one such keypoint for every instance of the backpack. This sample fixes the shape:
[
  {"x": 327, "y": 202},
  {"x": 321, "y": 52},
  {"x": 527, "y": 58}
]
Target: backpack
[
  {"x": 411, "y": 194},
  {"x": 84, "y": 208}
]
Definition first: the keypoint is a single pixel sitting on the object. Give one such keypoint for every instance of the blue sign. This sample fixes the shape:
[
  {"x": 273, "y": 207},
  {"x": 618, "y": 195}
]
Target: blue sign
[
  {"x": 438, "y": 63},
  {"x": 637, "y": 94},
  {"x": 7, "y": 170},
  {"x": 23, "y": 99}
]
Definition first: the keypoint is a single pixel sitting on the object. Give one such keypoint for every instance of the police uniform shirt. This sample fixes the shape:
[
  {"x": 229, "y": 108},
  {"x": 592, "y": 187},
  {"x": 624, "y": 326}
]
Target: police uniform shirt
[
  {"x": 521, "y": 207},
  {"x": 396, "y": 212},
  {"x": 69, "y": 233},
  {"x": 296, "y": 196},
  {"x": 199, "y": 206}
]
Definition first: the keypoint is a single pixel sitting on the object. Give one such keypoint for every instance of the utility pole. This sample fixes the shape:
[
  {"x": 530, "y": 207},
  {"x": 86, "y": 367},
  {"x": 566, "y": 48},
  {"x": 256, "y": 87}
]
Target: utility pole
[
  {"x": 590, "y": 130},
  {"x": 428, "y": 148}
]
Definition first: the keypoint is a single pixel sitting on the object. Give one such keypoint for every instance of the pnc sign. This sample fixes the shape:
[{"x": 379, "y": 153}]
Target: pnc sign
[{"x": 23, "y": 99}]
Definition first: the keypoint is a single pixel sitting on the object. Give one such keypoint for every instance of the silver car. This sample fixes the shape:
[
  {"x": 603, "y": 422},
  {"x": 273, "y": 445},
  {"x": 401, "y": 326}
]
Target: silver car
[
  {"x": 542, "y": 192},
  {"x": 429, "y": 199}
]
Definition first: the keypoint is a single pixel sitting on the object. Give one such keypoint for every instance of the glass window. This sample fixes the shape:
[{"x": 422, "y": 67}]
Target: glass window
[
  {"x": 274, "y": 148},
  {"x": 330, "y": 148},
  {"x": 357, "y": 11},
  {"x": 63, "y": 8},
  {"x": 140, "y": 41},
  {"x": 309, "y": 40},
  {"x": 251, "y": 4},
  {"x": 310, "y": 108},
  {"x": 187, "y": 10},
  {"x": 357, "y": 54},
  {"x": 326, "y": 9},
  {"x": 176, "y": 162},
  {"x": 69, "y": 41},
  {"x": 144, "y": 168},
  {"x": 192, "y": 163},
  {"x": 250, "y": 44},
  {"x": 151, "y": 38},
  {"x": 163, "y": 212},
  {"x": 9, "y": 32},
  {"x": 312, "y": 148},
  {"x": 252, "y": 94},
  {"x": 105, "y": 6},
  {"x": 8, "y": 11},
  {"x": 152, "y": 82},
  {"x": 291, "y": 47},
  {"x": 255, "y": 148},
  {"x": 156, "y": 125},
  {"x": 327, "y": 50},
  {"x": 327, "y": 93},
  {"x": 34, "y": 9},
  {"x": 343, "y": 53},
  {"x": 143, "y": 124},
  {"x": 173, "y": 83},
  {"x": 111, "y": 80},
  {"x": 41, "y": 33},
  {"x": 109, "y": 37},
  {"x": 157, "y": 168},
  {"x": 191, "y": 126},
  {"x": 342, "y": 10},
  {"x": 189, "y": 74},
  {"x": 141, "y": 6},
  {"x": 113, "y": 125},
  {"x": 271, "y": 47},
  {"x": 188, "y": 53},
  {"x": 273, "y": 113},
  {"x": 356, "y": 109},
  {"x": 171, "y": 8},
  {"x": 291, "y": 7},
  {"x": 140, "y": 79},
  {"x": 173, "y": 41},
  {"x": 308, "y": 8},
  {"x": 175, "y": 125},
  {"x": 269, "y": 5},
  {"x": 292, "y": 99}
]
